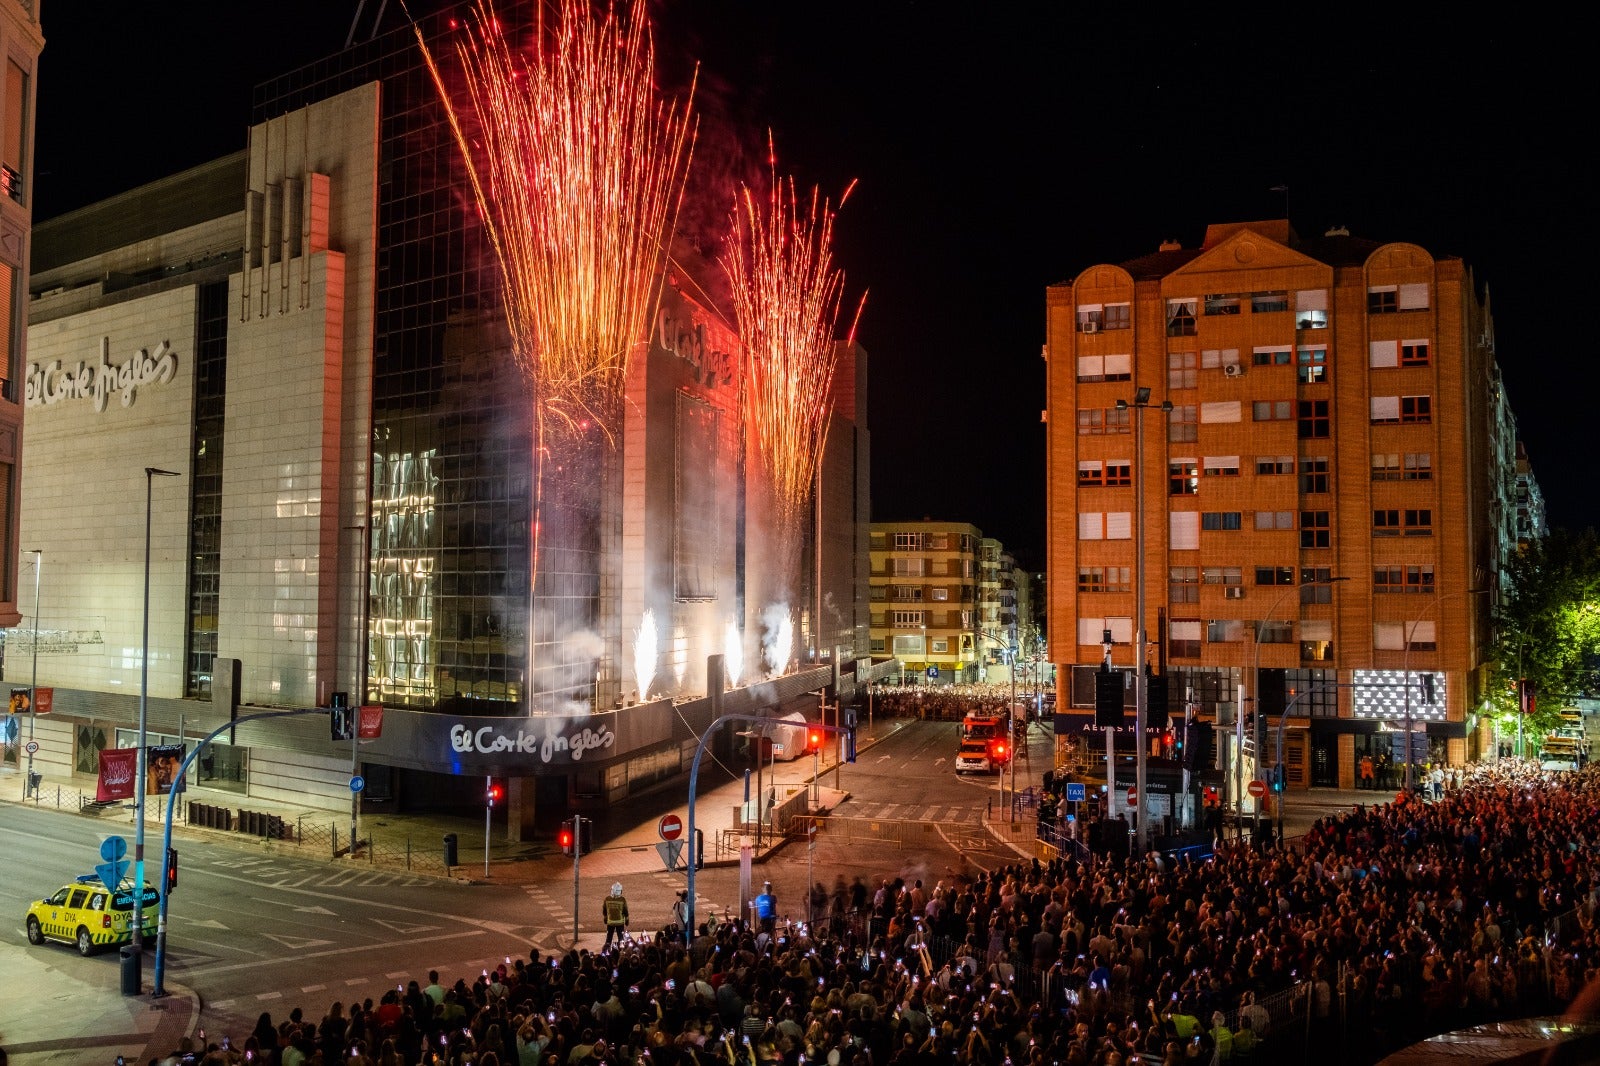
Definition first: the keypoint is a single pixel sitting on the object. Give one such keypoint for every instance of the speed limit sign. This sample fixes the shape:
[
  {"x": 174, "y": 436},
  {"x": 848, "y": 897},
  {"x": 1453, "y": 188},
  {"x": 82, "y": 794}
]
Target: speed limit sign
[{"x": 31, "y": 747}]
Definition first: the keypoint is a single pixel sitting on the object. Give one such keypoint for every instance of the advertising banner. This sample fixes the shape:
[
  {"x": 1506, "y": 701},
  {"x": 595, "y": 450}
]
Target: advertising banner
[
  {"x": 161, "y": 769},
  {"x": 118, "y": 769},
  {"x": 370, "y": 724},
  {"x": 43, "y": 700}
]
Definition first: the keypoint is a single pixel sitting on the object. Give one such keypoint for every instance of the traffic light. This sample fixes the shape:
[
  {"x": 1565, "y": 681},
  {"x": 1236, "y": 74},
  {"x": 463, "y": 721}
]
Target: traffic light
[
  {"x": 565, "y": 837},
  {"x": 850, "y": 744},
  {"x": 172, "y": 869},
  {"x": 1191, "y": 745},
  {"x": 1277, "y": 778},
  {"x": 1108, "y": 699},
  {"x": 1156, "y": 715},
  {"x": 814, "y": 740},
  {"x": 998, "y": 750},
  {"x": 494, "y": 793}
]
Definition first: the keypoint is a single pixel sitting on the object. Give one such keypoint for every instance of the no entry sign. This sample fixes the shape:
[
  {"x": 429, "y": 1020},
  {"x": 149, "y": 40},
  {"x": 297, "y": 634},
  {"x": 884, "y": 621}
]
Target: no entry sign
[
  {"x": 1258, "y": 789},
  {"x": 670, "y": 827}
]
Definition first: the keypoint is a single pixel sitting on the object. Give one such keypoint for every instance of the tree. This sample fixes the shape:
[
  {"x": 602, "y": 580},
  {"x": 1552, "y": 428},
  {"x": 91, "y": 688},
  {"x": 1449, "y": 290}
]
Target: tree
[{"x": 1547, "y": 627}]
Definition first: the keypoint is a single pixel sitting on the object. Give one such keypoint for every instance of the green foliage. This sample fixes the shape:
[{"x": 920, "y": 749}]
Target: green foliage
[{"x": 1547, "y": 628}]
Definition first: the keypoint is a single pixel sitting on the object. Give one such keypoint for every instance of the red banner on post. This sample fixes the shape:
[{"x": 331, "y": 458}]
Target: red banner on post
[
  {"x": 369, "y": 726},
  {"x": 43, "y": 700},
  {"x": 119, "y": 769}
]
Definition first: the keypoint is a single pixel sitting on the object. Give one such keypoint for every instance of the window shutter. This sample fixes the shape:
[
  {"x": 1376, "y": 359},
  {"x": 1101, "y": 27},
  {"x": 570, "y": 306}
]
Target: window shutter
[
  {"x": 1389, "y": 636},
  {"x": 1186, "y": 630},
  {"x": 1119, "y": 525},
  {"x": 1414, "y": 297},
  {"x": 1118, "y": 364},
  {"x": 1421, "y": 632},
  {"x": 1121, "y": 630},
  {"x": 1311, "y": 300},
  {"x": 1093, "y": 366},
  {"x": 1386, "y": 408},
  {"x": 1091, "y": 525},
  {"x": 1088, "y": 308},
  {"x": 1316, "y": 629},
  {"x": 1384, "y": 353},
  {"x": 1090, "y": 630},
  {"x": 1184, "y": 530},
  {"x": 1220, "y": 411}
]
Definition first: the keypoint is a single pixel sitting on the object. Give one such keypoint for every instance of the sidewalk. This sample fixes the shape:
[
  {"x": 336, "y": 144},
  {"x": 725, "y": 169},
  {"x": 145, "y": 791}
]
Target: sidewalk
[{"x": 56, "y": 1019}]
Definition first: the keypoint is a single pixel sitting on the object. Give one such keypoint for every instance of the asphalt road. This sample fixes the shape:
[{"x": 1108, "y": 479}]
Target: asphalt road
[{"x": 254, "y": 930}]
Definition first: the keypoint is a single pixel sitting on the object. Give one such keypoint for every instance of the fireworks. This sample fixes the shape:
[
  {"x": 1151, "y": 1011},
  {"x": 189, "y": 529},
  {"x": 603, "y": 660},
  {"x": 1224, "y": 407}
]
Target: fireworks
[
  {"x": 644, "y": 654},
  {"x": 578, "y": 172},
  {"x": 786, "y": 298},
  {"x": 732, "y": 653}
]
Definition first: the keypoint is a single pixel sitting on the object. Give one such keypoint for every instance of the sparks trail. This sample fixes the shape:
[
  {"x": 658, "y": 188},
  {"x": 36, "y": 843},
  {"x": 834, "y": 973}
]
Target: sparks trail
[
  {"x": 786, "y": 298},
  {"x": 577, "y": 169}
]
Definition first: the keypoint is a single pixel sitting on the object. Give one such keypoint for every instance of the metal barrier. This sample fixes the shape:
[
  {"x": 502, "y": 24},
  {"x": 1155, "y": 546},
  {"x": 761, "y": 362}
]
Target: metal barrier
[{"x": 896, "y": 832}]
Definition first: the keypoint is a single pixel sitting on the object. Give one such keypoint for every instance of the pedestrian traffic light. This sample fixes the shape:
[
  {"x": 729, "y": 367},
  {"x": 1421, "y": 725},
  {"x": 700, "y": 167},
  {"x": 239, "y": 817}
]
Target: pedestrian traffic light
[
  {"x": 565, "y": 838},
  {"x": 1108, "y": 712},
  {"x": 1277, "y": 778},
  {"x": 850, "y": 745},
  {"x": 494, "y": 793},
  {"x": 172, "y": 869}
]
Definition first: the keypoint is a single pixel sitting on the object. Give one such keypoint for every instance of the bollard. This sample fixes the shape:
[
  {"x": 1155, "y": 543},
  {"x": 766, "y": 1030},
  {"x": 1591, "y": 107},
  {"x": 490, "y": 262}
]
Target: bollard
[{"x": 450, "y": 851}]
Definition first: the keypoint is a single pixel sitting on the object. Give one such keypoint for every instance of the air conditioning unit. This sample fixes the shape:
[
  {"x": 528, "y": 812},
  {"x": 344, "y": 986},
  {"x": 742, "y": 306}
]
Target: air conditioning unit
[
  {"x": 1233, "y": 370},
  {"x": 1091, "y": 327},
  {"x": 1234, "y": 592}
]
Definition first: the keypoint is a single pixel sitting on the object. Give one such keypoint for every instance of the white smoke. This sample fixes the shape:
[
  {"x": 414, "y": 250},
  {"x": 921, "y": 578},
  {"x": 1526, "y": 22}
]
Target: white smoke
[
  {"x": 644, "y": 654},
  {"x": 732, "y": 653},
  {"x": 777, "y": 638}
]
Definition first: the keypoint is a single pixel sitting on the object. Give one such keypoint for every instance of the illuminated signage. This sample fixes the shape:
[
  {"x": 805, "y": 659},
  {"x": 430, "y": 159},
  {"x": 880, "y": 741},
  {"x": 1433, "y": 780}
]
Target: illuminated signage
[
  {"x": 52, "y": 384},
  {"x": 491, "y": 740},
  {"x": 687, "y": 340}
]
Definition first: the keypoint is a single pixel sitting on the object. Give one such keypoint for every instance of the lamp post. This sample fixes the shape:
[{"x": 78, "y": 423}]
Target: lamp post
[
  {"x": 1255, "y": 679},
  {"x": 1405, "y": 665},
  {"x": 150, "y": 474},
  {"x": 1140, "y": 404},
  {"x": 33, "y": 685}
]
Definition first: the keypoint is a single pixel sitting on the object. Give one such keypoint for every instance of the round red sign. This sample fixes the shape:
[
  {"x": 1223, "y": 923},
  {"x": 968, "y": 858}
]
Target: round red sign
[
  {"x": 1133, "y": 795},
  {"x": 1258, "y": 789},
  {"x": 670, "y": 827}
]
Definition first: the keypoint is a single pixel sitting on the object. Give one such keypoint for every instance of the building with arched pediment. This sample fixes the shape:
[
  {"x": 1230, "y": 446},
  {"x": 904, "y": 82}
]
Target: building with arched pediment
[{"x": 1329, "y": 491}]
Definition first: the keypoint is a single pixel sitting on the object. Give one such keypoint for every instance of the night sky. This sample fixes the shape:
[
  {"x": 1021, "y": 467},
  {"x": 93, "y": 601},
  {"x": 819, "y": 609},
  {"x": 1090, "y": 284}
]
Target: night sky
[{"x": 996, "y": 153}]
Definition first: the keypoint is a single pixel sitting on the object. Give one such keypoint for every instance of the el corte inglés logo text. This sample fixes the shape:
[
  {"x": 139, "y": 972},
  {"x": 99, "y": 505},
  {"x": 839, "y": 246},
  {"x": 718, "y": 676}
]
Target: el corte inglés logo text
[{"x": 489, "y": 740}]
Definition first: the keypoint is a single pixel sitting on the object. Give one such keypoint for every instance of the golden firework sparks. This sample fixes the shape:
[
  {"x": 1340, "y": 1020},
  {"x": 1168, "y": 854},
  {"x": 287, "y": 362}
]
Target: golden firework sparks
[{"x": 786, "y": 298}]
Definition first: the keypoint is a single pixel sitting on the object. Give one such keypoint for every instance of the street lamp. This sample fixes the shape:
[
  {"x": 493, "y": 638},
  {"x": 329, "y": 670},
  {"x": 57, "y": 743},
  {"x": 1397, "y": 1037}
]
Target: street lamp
[
  {"x": 33, "y": 685},
  {"x": 1141, "y": 403},
  {"x": 150, "y": 474},
  {"x": 1255, "y": 679},
  {"x": 1405, "y": 665}
]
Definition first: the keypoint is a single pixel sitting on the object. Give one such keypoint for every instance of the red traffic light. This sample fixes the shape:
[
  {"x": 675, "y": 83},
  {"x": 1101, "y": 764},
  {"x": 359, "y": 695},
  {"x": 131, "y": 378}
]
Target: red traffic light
[
  {"x": 566, "y": 840},
  {"x": 816, "y": 739},
  {"x": 496, "y": 793},
  {"x": 1000, "y": 749}
]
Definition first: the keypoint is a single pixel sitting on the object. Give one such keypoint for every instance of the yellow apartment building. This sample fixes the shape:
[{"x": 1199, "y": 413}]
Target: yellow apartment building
[{"x": 926, "y": 598}]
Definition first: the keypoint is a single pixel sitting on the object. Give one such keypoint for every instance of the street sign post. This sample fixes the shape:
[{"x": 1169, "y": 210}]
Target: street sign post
[
  {"x": 1133, "y": 796},
  {"x": 670, "y": 827},
  {"x": 357, "y": 783},
  {"x": 1075, "y": 791},
  {"x": 1258, "y": 789}
]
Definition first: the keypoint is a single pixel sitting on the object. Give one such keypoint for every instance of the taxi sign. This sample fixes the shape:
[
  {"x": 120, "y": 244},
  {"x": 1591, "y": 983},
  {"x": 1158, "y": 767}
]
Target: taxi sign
[{"x": 1075, "y": 792}]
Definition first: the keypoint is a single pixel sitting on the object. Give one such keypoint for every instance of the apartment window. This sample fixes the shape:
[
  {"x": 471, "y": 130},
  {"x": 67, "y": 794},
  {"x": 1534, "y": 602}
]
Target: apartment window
[
  {"x": 1402, "y": 579},
  {"x": 1274, "y": 519},
  {"x": 1272, "y": 355},
  {"x": 1383, "y": 299},
  {"x": 1314, "y": 474},
  {"x": 1098, "y": 525},
  {"x": 1272, "y": 410},
  {"x": 1105, "y": 367},
  {"x": 1181, "y": 370},
  {"x": 1382, "y": 354},
  {"x": 1118, "y": 316},
  {"x": 1181, "y": 317},
  {"x": 908, "y": 593},
  {"x": 1220, "y": 520},
  {"x": 1091, "y": 473},
  {"x": 1184, "y": 642},
  {"x": 1386, "y": 523},
  {"x": 15, "y": 119},
  {"x": 1183, "y": 477},
  {"x": 1315, "y": 531},
  {"x": 1314, "y": 422},
  {"x": 966, "y": 619},
  {"x": 1414, "y": 296},
  {"x": 1415, "y": 410},
  {"x": 1418, "y": 466},
  {"x": 1105, "y": 579},
  {"x": 1221, "y": 411},
  {"x": 1311, "y": 309},
  {"x": 1221, "y": 575},
  {"x": 1385, "y": 410},
  {"x": 1261, "y": 302},
  {"x": 1274, "y": 464},
  {"x": 1414, "y": 353},
  {"x": 941, "y": 645},
  {"x": 1091, "y": 318},
  {"x": 1098, "y": 420},
  {"x": 1419, "y": 523},
  {"x": 939, "y": 541},
  {"x": 909, "y": 619},
  {"x": 1218, "y": 358},
  {"x": 1420, "y": 579},
  {"x": 1385, "y": 466},
  {"x": 1183, "y": 423},
  {"x": 1274, "y": 575},
  {"x": 1183, "y": 584},
  {"x": 941, "y": 594},
  {"x": 1316, "y": 645},
  {"x": 1183, "y": 530},
  {"x": 1225, "y": 303},
  {"x": 1224, "y": 631},
  {"x": 1312, "y": 364},
  {"x": 1119, "y": 473},
  {"x": 908, "y": 542},
  {"x": 1092, "y": 630},
  {"x": 1316, "y": 584},
  {"x": 1391, "y": 636},
  {"x": 1274, "y": 632},
  {"x": 1220, "y": 465},
  {"x": 908, "y": 567}
]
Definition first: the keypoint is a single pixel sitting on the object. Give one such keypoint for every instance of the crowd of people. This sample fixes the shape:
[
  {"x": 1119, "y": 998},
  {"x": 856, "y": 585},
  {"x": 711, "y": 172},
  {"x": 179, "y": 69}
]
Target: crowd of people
[
  {"x": 1380, "y": 926},
  {"x": 949, "y": 702}
]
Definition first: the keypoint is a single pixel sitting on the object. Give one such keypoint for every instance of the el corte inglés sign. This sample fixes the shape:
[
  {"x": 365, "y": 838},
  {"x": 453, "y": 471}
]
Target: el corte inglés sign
[{"x": 50, "y": 384}]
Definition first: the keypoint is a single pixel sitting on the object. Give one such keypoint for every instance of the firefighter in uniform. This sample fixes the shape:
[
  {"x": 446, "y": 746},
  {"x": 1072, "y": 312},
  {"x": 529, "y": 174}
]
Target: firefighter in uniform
[{"x": 614, "y": 909}]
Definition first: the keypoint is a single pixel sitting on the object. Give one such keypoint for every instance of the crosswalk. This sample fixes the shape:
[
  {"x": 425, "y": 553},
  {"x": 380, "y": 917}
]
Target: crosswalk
[
  {"x": 272, "y": 872},
  {"x": 912, "y": 812}
]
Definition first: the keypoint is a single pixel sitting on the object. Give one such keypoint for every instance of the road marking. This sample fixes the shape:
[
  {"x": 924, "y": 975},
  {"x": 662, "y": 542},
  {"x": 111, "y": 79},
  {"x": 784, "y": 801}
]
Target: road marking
[
  {"x": 314, "y": 988},
  {"x": 298, "y": 959},
  {"x": 404, "y": 928},
  {"x": 208, "y": 923},
  {"x": 296, "y": 943}
]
